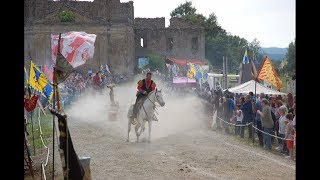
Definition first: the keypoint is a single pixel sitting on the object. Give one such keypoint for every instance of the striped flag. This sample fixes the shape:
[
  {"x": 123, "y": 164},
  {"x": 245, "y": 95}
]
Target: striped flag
[
  {"x": 71, "y": 165},
  {"x": 269, "y": 74}
]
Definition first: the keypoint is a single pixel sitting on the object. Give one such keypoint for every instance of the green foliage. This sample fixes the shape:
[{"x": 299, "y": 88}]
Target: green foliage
[
  {"x": 209, "y": 63},
  {"x": 46, "y": 127},
  {"x": 183, "y": 10},
  {"x": 155, "y": 62},
  {"x": 291, "y": 57},
  {"x": 218, "y": 42},
  {"x": 67, "y": 16}
]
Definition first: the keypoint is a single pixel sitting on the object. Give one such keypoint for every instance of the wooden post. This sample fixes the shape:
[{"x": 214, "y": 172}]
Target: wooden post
[
  {"x": 223, "y": 71},
  {"x": 27, "y": 153},
  {"x": 53, "y": 121},
  {"x": 252, "y": 133},
  {"x": 85, "y": 161},
  {"x": 226, "y": 72},
  {"x": 34, "y": 147}
]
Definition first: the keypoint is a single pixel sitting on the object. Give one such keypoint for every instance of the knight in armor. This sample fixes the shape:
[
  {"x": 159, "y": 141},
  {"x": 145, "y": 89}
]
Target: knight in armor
[{"x": 145, "y": 86}]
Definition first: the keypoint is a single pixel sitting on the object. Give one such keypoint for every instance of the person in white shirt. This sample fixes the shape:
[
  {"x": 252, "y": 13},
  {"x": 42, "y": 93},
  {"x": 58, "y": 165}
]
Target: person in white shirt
[
  {"x": 239, "y": 116},
  {"x": 282, "y": 128}
]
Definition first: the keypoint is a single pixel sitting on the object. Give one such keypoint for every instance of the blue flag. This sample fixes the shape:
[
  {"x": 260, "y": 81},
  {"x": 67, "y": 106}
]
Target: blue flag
[{"x": 245, "y": 59}]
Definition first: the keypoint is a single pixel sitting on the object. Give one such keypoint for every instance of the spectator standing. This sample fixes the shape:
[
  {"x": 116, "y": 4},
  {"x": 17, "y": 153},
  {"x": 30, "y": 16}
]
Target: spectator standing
[
  {"x": 282, "y": 129},
  {"x": 247, "y": 115},
  {"x": 239, "y": 116},
  {"x": 216, "y": 108},
  {"x": 289, "y": 134},
  {"x": 257, "y": 106},
  {"x": 267, "y": 122},
  {"x": 96, "y": 81}
]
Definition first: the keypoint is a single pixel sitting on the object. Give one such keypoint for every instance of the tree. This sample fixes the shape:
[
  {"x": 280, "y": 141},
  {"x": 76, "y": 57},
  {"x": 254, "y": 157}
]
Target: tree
[
  {"x": 255, "y": 47},
  {"x": 66, "y": 16},
  {"x": 155, "y": 62},
  {"x": 218, "y": 42},
  {"x": 183, "y": 10},
  {"x": 291, "y": 57}
]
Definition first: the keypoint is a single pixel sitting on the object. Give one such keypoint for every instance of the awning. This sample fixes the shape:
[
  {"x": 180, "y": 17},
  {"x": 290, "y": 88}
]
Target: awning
[
  {"x": 246, "y": 87},
  {"x": 183, "y": 62}
]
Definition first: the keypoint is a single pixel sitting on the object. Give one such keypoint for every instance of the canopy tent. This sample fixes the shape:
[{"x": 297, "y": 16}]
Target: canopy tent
[
  {"x": 246, "y": 87},
  {"x": 183, "y": 62}
]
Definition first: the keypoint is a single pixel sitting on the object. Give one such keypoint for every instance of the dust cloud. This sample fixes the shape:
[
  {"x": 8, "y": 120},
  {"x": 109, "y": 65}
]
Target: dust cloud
[{"x": 181, "y": 112}]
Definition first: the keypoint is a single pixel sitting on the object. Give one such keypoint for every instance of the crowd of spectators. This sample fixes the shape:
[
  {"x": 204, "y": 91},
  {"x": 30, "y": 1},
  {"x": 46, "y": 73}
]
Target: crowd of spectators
[{"x": 268, "y": 114}]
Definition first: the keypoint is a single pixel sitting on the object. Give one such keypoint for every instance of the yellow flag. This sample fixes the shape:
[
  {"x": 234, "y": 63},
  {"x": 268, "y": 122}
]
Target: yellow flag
[
  {"x": 191, "y": 71},
  {"x": 39, "y": 81},
  {"x": 284, "y": 63},
  {"x": 269, "y": 74}
]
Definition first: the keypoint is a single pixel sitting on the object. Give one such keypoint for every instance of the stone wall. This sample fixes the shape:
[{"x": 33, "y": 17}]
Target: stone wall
[
  {"x": 181, "y": 23},
  {"x": 116, "y": 49},
  {"x": 118, "y": 33},
  {"x": 104, "y": 10},
  {"x": 149, "y": 23},
  {"x": 110, "y": 20},
  {"x": 157, "y": 40},
  {"x": 121, "y": 49}
]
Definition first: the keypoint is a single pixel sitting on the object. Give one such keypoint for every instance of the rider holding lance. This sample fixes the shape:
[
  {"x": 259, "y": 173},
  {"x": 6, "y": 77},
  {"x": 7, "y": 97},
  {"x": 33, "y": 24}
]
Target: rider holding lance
[{"x": 145, "y": 86}]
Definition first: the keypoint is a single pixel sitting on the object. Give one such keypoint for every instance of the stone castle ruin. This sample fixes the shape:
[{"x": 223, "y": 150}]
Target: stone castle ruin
[{"x": 119, "y": 34}]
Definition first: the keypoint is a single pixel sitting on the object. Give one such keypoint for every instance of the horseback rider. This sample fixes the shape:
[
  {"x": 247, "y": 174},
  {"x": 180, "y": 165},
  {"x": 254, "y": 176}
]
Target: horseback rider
[{"x": 145, "y": 86}]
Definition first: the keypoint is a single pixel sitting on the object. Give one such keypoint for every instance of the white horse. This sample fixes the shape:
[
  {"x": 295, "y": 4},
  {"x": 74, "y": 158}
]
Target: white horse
[{"x": 145, "y": 113}]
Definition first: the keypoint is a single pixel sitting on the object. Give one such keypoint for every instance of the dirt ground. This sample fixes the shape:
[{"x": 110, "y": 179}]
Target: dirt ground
[{"x": 183, "y": 146}]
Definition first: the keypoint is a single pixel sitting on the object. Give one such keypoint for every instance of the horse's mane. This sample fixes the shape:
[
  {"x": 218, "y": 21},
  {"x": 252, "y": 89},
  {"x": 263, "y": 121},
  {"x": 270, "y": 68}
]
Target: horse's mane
[{"x": 154, "y": 91}]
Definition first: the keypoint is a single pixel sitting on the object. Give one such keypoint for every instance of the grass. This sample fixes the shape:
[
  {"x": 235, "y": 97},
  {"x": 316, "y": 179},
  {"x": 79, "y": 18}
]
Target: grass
[{"x": 46, "y": 127}]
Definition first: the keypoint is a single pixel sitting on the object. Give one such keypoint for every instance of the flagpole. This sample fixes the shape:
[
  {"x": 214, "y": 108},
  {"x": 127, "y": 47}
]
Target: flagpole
[
  {"x": 31, "y": 113},
  {"x": 65, "y": 159},
  {"x": 53, "y": 122},
  {"x": 255, "y": 87},
  {"x": 34, "y": 147},
  {"x": 255, "y": 78}
]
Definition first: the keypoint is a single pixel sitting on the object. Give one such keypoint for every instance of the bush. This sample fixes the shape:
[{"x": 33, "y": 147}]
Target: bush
[
  {"x": 155, "y": 62},
  {"x": 67, "y": 16}
]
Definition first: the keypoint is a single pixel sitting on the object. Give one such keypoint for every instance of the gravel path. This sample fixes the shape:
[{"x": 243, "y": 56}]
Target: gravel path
[{"x": 182, "y": 144}]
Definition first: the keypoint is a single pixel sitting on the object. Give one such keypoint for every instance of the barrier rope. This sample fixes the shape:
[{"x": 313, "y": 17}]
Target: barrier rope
[
  {"x": 272, "y": 135},
  {"x": 43, "y": 171},
  {"x": 234, "y": 124},
  {"x": 254, "y": 128},
  {"x": 48, "y": 150}
]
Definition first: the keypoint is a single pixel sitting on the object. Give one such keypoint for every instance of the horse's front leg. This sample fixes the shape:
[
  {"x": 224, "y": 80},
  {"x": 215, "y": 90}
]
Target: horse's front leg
[
  {"x": 136, "y": 130},
  {"x": 150, "y": 123},
  {"x": 129, "y": 128}
]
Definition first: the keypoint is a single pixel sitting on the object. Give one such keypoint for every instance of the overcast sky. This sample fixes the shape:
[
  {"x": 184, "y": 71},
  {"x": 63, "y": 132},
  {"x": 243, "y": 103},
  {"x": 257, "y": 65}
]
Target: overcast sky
[{"x": 272, "y": 22}]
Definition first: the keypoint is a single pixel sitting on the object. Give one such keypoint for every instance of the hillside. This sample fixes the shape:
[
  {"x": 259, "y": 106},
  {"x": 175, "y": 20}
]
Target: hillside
[{"x": 274, "y": 53}]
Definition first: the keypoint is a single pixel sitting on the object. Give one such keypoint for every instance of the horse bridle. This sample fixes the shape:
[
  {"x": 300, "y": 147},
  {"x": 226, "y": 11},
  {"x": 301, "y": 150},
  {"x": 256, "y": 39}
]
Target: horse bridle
[
  {"x": 151, "y": 101},
  {"x": 155, "y": 95}
]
